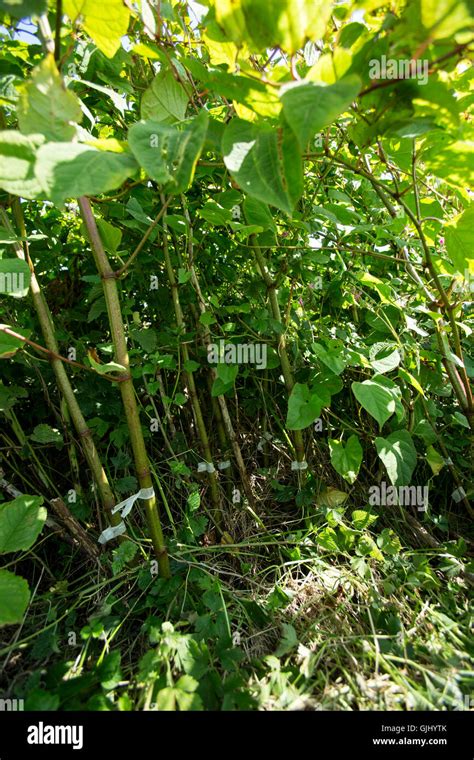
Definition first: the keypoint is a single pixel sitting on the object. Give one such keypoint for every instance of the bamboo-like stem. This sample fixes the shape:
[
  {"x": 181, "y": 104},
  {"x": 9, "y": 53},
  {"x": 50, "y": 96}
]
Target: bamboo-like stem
[
  {"x": 47, "y": 328},
  {"x": 191, "y": 385},
  {"x": 206, "y": 337},
  {"x": 287, "y": 371},
  {"x": 109, "y": 284}
]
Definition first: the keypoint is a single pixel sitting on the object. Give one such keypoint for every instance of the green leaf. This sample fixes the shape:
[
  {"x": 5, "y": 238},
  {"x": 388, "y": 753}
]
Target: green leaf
[
  {"x": 21, "y": 521},
  {"x": 273, "y": 23},
  {"x": 377, "y": 400},
  {"x": 165, "y": 100},
  {"x": 289, "y": 640},
  {"x": 435, "y": 460},
  {"x": 111, "y": 236},
  {"x": 333, "y": 358},
  {"x": 459, "y": 236},
  {"x": 46, "y": 434},
  {"x": 69, "y": 170},
  {"x": 169, "y": 153},
  {"x": 398, "y": 454},
  {"x": 122, "y": 556},
  {"x": 46, "y": 106},
  {"x": 106, "y": 22},
  {"x": 304, "y": 405},
  {"x": 309, "y": 107},
  {"x": 105, "y": 369},
  {"x": 9, "y": 345},
  {"x": 265, "y": 162},
  {"x": 384, "y": 357},
  {"x": 15, "y": 277},
  {"x": 443, "y": 18},
  {"x": 346, "y": 460},
  {"x": 14, "y": 598},
  {"x": 24, "y": 8},
  {"x": 361, "y": 519},
  {"x": 17, "y": 163}
]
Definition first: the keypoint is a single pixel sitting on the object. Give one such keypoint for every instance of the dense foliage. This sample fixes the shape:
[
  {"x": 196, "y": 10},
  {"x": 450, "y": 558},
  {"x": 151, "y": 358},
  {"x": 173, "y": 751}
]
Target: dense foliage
[{"x": 236, "y": 245}]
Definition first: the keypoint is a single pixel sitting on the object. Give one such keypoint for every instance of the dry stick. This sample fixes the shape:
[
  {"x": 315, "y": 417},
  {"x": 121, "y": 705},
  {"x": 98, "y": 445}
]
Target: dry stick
[
  {"x": 262, "y": 265},
  {"x": 200, "y": 424},
  {"x": 206, "y": 337},
  {"x": 45, "y": 319},
  {"x": 109, "y": 284}
]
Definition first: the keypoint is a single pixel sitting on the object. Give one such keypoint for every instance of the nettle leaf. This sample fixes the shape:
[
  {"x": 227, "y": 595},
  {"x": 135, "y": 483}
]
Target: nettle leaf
[
  {"x": 305, "y": 405},
  {"x": 10, "y": 345},
  {"x": 46, "y": 107},
  {"x": 46, "y": 434},
  {"x": 69, "y": 170},
  {"x": 309, "y": 107},
  {"x": 347, "y": 459},
  {"x": 459, "y": 236},
  {"x": 165, "y": 99},
  {"x": 398, "y": 454},
  {"x": 376, "y": 399},
  {"x": 265, "y": 162},
  {"x": 14, "y": 598},
  {"x": 105, "y": 22},
  {"x": 21, "y": 521},
  {"x": 111, "y": 236},
  {"x": 15, "y": 277},
  {"x": 17, "y": 163},
  {"x": 273, "y": 23},
  {"x": 169, "y": 153}
]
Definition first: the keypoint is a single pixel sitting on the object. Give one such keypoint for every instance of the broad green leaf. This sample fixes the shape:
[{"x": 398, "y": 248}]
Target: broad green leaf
[
  {"x": 361, "y": 519},
  {"x": 346, "y": 459},
  {"x": 165, "y": 100},
  {"x": 408, "y": 377},
  {"x": 106, "y": 22},
  {"x": 332, "y": 357},
  {"x": 454, "y": 163},
  {"x": 24, "y": 8},
  {"x": 21, "y": 521},
  {"x": 435, "y": 460},
  {"x": 17, "y": 163},
  {"x": 459, "y": 236},
  {"x": 46, "y": 106},
  {"x": 309, "y": 107},
  {"x": 105, "y": 369},
  {"x": 377, "y": 400},
  {"x": 46, "y": 434},
  {"x": 265, "y": 162},
  {"x": 15, "y": 277},
  {"x": 111, "y": 236},
  {"x": 14, "y": 598},
  {"x": 169, "y": 153},
  {"x": 384, "y": 357},
  {"x": 443, "y": 18},
  {"x": 398, "y": 454},
  {"x": 273, "y": 23},
  {"x": 10, "y": 345},
  {"x": 305, "y": 405},
  {"x": 70, "y": 170}
]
